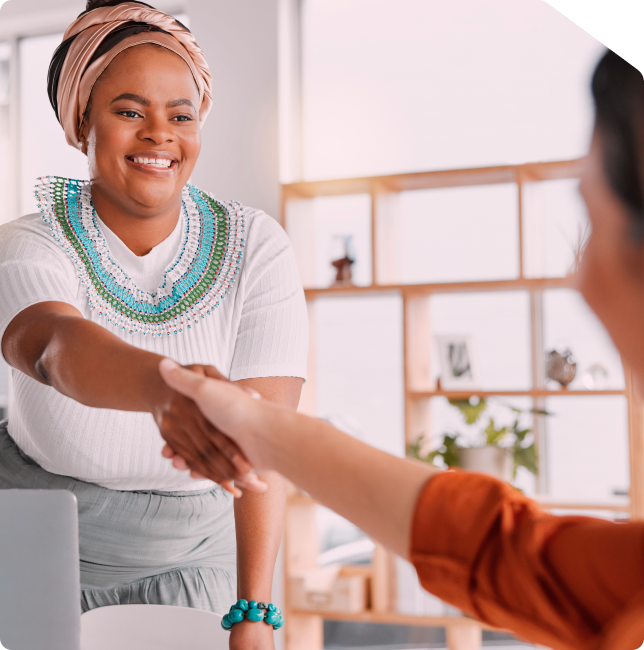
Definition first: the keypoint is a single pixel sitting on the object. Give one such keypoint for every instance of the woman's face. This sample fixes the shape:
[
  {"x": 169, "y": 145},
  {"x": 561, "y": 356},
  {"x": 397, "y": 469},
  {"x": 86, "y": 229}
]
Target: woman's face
[
  {"x": 142, "y": 135},
  {"x": 611, "y": 273}
]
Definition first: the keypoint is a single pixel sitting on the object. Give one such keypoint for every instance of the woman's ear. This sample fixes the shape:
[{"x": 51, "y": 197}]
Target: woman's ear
[{"x": 82, "y": 138}]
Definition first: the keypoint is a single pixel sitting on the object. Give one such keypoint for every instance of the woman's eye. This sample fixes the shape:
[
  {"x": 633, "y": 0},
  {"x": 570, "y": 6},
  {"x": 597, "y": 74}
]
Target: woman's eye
[{"x": 129, "y": 113}]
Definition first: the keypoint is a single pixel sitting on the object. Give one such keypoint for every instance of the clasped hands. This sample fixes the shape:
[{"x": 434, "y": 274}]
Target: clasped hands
[{"x": 205, "y": 421}]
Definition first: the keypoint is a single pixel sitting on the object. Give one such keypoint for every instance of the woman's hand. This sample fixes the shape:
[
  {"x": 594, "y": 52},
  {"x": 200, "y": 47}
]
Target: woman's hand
[
  {"x": 230, "y": 409},
  {"x": 204, "y": 449},
  {"x": 249, "y": 635}
]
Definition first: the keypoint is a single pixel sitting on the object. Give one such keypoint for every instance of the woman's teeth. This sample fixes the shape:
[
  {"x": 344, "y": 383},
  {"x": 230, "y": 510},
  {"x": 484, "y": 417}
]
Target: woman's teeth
[{"x": 163, "y": 163}]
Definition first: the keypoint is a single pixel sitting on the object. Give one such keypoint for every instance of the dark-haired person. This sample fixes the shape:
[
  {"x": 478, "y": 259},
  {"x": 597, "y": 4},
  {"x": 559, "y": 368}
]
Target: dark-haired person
[
  {"x": 569, "y": 583},
  {"x": 116, "y": 273}
]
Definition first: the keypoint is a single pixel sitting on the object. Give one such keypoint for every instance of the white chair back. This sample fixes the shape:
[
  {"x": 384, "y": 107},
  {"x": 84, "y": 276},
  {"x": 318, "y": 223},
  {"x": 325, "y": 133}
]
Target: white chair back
[{"x": 152, "y": 627}]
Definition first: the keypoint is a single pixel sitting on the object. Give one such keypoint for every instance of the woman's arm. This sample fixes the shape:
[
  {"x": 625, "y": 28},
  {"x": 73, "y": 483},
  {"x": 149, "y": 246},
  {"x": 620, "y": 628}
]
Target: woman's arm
[
  {"x": 568, "y": 583},
  {"x": 259, "y": 522},
  {"x": 52, "y": 343},
  {"x": 372, "y": 489}
]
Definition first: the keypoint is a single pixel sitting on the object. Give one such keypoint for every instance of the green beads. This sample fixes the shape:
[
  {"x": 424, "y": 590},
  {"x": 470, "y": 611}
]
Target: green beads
[
  {"x": 255, "y": 615},
  {"x": 255, "y": 612}
]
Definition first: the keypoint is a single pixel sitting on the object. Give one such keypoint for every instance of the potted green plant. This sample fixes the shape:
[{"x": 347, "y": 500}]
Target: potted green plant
[{"x": 497, "y": 450}]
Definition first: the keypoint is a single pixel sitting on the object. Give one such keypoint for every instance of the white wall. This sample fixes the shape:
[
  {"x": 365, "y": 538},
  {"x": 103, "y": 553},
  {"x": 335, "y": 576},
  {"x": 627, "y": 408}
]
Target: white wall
[{"x": 240, "y": 157}]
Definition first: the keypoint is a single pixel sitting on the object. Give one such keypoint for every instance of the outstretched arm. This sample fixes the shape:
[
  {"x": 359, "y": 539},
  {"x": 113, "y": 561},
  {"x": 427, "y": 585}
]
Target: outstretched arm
[
  {"x": 372, "y": 489},
  {"x": 567, "y": 583},
  {"x": 52, "y": 343}
]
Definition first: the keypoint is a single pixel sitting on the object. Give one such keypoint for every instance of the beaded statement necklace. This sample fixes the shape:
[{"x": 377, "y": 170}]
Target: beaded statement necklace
[{"x": 193, "y": 285}]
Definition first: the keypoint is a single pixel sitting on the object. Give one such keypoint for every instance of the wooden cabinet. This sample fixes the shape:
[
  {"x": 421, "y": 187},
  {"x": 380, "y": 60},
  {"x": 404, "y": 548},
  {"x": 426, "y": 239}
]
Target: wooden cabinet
[{"x": 304, "y": 628}]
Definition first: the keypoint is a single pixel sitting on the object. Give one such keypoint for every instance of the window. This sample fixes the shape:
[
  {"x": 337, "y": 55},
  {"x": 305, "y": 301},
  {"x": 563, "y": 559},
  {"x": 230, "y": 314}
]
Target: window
[
  {"x": 43, "y": 148},
  {"x": 5, "y": 140}
]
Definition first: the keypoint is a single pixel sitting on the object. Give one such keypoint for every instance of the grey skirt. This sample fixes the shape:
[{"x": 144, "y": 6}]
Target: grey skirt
[{"x": 145, "y": 547}]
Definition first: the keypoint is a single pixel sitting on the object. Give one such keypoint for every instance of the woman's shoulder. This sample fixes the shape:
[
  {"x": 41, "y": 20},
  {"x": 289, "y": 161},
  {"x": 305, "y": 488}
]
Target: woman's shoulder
[
  {"x": 29, "y": 239},
  {"x": 262, "y": 224}
]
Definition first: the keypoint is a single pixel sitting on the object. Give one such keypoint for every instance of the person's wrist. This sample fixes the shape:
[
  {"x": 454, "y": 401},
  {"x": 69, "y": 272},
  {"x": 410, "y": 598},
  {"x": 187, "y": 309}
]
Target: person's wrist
[
  {"x": 156, "y": 393},
  {"x": 261, "y": 438},
  {"x": 273, "y": 435}
]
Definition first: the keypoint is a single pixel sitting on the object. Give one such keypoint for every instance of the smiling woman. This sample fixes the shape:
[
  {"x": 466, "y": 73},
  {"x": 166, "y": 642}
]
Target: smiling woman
[{"x": 112, "y": 274}]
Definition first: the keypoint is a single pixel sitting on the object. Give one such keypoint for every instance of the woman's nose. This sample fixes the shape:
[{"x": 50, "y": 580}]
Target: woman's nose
[{"x": 156, "y": 128}]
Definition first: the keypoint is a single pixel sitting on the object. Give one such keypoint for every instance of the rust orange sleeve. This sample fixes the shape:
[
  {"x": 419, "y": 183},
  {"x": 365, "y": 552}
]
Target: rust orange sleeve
[{"x": 562, "y": 582}]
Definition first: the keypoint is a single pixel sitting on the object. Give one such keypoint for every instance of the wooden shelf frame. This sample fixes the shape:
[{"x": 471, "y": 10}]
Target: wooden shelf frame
[{"x": 306, "y": 630}]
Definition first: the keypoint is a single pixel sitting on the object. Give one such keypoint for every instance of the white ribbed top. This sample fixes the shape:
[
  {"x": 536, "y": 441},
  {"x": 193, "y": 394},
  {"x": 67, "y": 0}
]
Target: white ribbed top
[{"x": 258, "y": 330}]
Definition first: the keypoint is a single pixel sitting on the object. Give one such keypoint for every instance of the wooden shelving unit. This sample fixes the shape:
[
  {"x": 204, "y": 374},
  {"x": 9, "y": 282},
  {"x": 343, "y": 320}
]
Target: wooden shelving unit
[{"x": 304, "y": 628}]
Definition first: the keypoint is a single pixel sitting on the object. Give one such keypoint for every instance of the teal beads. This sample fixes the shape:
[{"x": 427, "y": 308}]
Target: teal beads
[
  {"x": 236, "y": 616},
  {"x": 255, "y": 615},
  {"x": 255, "y": 612}
]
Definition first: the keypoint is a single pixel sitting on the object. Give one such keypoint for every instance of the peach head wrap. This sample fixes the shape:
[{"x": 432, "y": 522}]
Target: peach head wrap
[{"x": 93, "y": 41}]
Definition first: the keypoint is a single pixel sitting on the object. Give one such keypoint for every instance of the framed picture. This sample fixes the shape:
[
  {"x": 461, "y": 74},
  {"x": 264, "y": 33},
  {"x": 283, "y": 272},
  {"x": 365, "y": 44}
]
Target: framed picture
[{"x": 459, "y": 369}]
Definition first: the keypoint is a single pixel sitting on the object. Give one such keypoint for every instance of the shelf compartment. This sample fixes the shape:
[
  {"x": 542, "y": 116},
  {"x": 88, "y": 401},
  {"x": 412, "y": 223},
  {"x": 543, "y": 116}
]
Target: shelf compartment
[
  {"x": 394, "y": 618},
  {"x": 526, "y": 284},
  {"x": 532, "y": 392}
]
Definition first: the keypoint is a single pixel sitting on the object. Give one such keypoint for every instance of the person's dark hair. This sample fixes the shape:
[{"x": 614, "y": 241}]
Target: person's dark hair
[
  {"x": 128, "y": 29},
  {"x": 618, "y": 89}
]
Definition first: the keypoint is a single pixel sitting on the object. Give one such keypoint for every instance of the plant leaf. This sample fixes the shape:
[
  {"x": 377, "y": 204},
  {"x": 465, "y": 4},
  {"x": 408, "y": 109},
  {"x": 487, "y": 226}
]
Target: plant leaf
[
  {"x": 451, "y": 448},
  {"x": 521, "y": 433},
  {"x": 493, "y": 436},
  {"x": 471, "y": 413},
  {"x": 525, "y": 457}
]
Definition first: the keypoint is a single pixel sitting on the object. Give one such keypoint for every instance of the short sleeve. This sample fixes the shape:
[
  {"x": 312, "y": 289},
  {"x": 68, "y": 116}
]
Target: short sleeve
[
  {"x": 273, "y": 335},
  {"x": 33, "y": 269}
]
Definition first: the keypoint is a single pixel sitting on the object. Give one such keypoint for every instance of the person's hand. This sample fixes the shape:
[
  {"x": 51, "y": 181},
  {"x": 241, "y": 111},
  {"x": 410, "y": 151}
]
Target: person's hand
[
  {"x": 249, "y": 635},
  {"x": 231, "y": 409},
  {"x": 204, "y": 449}
]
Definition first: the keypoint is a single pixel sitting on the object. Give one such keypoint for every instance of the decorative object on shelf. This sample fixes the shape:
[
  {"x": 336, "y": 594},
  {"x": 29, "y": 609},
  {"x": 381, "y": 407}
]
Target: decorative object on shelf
[
  {"x": 561, "y": 366},
  {"x": 595, "y": 377},
  {"x": 253, "y": 611},
  {"x": 459, "y": 369},
  {"x": 501, "y": 449},
  {"x": 333, "y": 588},
  {"x": 343, "y": 264}
]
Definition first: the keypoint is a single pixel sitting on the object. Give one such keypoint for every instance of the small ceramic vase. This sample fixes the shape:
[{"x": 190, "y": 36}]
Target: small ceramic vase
[{"x": 561, "y": 367}]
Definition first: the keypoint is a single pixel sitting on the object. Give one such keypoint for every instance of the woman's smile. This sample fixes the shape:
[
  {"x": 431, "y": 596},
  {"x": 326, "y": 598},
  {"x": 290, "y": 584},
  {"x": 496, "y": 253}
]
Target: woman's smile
[{"x": 155, "y": 163}]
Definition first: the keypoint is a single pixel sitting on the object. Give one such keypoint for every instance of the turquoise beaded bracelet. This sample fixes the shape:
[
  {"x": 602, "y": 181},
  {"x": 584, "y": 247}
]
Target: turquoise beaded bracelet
[{"x": 253, "y": 611}]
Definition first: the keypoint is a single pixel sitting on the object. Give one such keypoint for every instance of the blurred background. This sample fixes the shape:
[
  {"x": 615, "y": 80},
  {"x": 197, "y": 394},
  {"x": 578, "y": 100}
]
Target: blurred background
[{"x": 422, "y": 155}]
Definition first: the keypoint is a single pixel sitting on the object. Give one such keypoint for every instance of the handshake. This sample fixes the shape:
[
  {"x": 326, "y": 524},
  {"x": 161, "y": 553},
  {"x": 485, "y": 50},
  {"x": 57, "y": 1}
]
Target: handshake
[
  {"x": 225, "y": 432},
  {"x": 211, "y": 427}
]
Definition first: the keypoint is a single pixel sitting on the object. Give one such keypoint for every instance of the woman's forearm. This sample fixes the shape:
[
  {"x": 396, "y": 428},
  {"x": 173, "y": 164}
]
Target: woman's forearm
[
  {"x": 54, "y": 344},
  {"x": 259, "y": 521},
  {"x": 376, "y": 491},
  {"x": 370, "y": 488}
]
